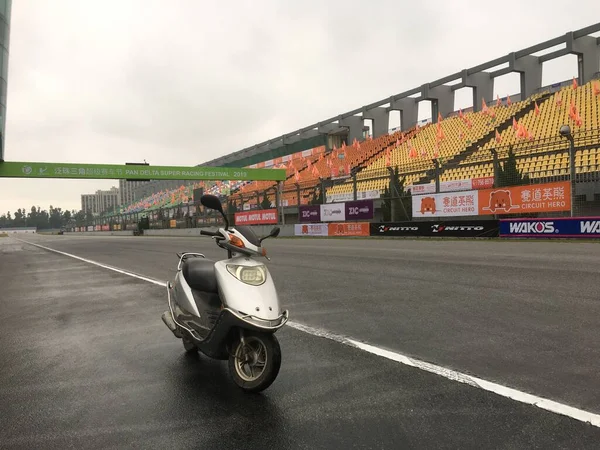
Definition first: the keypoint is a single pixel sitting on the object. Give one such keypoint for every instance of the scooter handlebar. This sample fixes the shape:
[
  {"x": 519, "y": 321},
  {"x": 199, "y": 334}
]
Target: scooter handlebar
[{"x": 209, "y": 233}]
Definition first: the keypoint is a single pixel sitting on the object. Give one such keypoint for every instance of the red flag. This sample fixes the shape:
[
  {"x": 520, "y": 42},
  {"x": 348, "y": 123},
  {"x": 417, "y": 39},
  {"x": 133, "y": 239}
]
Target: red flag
[
  {"x": 515, "y": 124},
  {"x": 508, "y": 102},
  {"x": 498, "y": 139},
  {"x": 537, "y": 109},
  {"x": 498, "y": 101},
  {"x": 575, "y": 83},
  {"x": 484, "y": 107},
  {"x": 439, "y": 117},
  {"x": 596, "y": 88},
  {"x": 460, "y": 113}
]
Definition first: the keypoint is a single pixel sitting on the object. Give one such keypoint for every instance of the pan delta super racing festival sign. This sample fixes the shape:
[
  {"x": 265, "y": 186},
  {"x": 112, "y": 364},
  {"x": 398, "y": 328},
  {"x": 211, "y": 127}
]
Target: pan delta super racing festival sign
[
  {"x": 536, "y": 198},
  {"x": 133, "y": 172}
]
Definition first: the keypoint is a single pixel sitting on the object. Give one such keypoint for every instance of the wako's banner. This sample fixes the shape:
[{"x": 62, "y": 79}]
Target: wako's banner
[
  {"x": 117, "y": 171},
  {"x": 263, "y": 217},
  {"x": 580, "y": 227},
  {"x": 535, "y": 198}
]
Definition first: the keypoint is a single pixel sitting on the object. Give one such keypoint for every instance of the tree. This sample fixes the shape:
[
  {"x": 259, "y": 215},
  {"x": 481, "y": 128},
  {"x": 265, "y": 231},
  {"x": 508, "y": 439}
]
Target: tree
[
  {"x": 397, "y": 203},
  {"x": 317, "y": 198},
  {"x": 79, "y": 218},
  {"x": 266, "y": 203},
  {"x": 509, "y": 174}
]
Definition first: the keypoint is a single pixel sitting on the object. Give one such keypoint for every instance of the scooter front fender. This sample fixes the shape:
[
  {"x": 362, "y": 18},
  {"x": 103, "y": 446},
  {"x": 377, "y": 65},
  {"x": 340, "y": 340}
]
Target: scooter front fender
[{"x": 215, "y": 343}]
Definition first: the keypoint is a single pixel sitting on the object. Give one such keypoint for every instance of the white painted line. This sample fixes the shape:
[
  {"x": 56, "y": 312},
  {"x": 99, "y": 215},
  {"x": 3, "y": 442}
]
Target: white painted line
[
  {"x": 504, "y": 391},
  {"x": 95, "y": 263}
]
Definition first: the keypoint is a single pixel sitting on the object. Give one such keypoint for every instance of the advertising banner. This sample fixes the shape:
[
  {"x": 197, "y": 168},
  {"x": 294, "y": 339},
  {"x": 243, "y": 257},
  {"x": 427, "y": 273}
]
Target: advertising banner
[
  {"x": 349, "y": 229},
  {"x": 349, "y": 196},
  {"x": 532, "y": 198},
  {"x": 309, "y": 213},
  {"x": 311, "y": 229},
  {"x": 568, "y": 227},
  {"x": 451, "y": 186},
  {"x": 536, "y": 198},
  {"x": 449, "y": 204},
  {"x": 333, "y": 212},
  {"x": 360, "y": 210},
  {"x": 448, "y": 228},
  {"x": 263, "y": 217},
  {"x": 123, "y": 171}
]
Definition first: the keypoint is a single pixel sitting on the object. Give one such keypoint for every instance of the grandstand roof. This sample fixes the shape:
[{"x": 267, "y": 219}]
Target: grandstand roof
[{"x": 438, "y": 92}]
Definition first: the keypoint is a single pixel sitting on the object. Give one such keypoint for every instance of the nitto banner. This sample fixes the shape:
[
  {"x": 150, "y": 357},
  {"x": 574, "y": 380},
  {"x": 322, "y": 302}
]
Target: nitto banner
[
  {"x": 548, "y": 197},
  {"x": 117, "y": 171},
  {"x": 448, "y": 228},
  {"x": 263, "y": 217},
  {"x": 580, "y": 227}
]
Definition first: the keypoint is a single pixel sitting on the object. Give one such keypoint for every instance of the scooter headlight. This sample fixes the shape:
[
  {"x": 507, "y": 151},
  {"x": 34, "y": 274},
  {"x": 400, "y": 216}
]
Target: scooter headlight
[{"x": 252, "y": 275}]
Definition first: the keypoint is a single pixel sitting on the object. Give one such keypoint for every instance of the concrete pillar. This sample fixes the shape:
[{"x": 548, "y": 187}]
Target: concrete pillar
[
  {"x": 442, "y": 100},
  {"x": 381, "y": 120},
  {"x": 482, "y": 84},
  {"x": 409, "y": 111},
  {"x": 355, "y": 127},
  {"x": 530, "y": 68},
  {"x": 588, "y": 56}
]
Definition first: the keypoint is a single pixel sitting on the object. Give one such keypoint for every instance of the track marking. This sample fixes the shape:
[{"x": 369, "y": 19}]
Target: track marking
[
  {"x": 95, "y": 263},
  {"x": 504, "y": 391}
]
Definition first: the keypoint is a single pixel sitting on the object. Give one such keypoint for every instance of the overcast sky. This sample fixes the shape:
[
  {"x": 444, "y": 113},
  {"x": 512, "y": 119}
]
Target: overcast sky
[{"x": 185, "y": 81}]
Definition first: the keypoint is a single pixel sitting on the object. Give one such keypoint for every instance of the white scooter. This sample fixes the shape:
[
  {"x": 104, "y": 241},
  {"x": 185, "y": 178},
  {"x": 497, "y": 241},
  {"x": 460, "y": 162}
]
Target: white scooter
[{"x": 229, "y": 309}]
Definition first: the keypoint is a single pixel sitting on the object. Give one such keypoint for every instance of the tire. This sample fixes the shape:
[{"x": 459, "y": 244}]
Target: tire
[
  {"x": 188, "y": 345},
  {"x": 239, "y": 370}
]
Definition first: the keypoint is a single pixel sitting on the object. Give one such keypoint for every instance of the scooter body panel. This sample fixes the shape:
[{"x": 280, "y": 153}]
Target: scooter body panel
[
  {"x": 182, "y": 295},
  {"x": 259, "y": 301}
]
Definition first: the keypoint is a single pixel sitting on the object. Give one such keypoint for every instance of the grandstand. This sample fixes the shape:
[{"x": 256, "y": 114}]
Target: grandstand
[{"x": 338, "y": 158}]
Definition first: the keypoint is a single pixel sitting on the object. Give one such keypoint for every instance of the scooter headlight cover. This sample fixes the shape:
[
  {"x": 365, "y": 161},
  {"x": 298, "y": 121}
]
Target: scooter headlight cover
[{"x": 252, "y": 275}]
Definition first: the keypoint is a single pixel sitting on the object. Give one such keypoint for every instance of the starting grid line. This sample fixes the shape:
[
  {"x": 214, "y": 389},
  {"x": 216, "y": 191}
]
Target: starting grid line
[{"x": 453, "y": 375}]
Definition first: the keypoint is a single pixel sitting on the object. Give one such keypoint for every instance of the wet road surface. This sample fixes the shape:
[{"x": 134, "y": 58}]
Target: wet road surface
[
  {"x": 522, "y": 314},
  {"x": 87, "y": 363}
]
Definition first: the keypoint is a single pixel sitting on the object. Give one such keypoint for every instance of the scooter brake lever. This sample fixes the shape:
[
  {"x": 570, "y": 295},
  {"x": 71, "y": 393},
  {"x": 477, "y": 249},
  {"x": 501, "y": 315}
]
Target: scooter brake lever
[{"x": 268, "y": 259}]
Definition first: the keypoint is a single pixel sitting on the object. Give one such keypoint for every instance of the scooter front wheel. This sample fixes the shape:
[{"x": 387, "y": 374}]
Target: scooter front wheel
[{"x": 255, "y": 364}]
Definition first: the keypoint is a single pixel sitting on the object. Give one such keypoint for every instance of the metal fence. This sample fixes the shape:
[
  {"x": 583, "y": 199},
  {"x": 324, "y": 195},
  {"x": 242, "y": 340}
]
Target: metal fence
[{"x": 523, "y": 163}]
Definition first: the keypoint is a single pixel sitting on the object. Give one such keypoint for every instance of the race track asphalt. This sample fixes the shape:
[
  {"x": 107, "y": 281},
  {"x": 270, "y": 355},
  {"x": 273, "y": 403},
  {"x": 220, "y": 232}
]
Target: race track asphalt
[{"x": 87, "y": 362}]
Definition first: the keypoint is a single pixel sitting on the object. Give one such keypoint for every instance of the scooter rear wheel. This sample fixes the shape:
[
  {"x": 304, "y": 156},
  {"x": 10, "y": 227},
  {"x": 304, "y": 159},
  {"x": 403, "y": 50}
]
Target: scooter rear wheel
[{"x": 255, "y": 365}]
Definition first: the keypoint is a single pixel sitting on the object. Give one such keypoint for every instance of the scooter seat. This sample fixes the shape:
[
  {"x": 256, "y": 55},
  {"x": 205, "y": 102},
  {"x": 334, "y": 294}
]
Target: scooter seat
[{"x": 199, "y": 273}]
